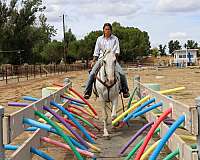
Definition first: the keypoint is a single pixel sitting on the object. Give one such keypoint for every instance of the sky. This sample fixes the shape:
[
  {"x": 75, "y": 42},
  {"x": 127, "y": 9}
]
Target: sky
[{"x": 164, "y": 20}]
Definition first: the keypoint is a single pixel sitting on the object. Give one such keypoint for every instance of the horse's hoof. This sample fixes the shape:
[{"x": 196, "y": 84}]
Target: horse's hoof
[
  {"x": 119, "y": 125},
  {"x": 116, "y": 125},
  {"x": 96, "y": 117},
  {"x": 107, "y": 136}
]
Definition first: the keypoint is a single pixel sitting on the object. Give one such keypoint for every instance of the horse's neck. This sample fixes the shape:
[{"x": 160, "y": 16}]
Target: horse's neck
[{"x": 101, "y": 74}]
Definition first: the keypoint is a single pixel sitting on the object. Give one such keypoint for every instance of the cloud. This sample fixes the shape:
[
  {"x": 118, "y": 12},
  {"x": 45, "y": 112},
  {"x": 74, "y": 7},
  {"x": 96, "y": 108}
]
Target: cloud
[
  {"x": 152, "y": 16},
  {"x": 112, "y": 8},
  {"x": 85, "y": 15},
  {"x": 87, "y": 8},
  {"x": 178, "y": 35},
  {"x": 178, "y": 5},
  {"x": 52, "y": 18}
]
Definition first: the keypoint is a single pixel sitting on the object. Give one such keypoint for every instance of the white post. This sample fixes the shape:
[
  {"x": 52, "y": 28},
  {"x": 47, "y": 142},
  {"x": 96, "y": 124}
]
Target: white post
[
  {"x": 2, "y": 154},
  {"x": 198, "y": 137}
]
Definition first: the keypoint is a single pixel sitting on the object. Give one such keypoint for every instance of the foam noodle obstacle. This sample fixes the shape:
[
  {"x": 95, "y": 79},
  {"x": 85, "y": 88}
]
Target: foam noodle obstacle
[
  {"x": 171, "y": 130},
  {"x": 65, "y": 137},
  {"x": 171, "y": 90},
  {"x": 139, "y": 109},
  {"x": 86, "y": 102},
  {"x": 130, "y": 110},
  {"x": 139, "y": 132},
  {"x": 33, "y": 150},
  {"x": 150, "y": 133}
]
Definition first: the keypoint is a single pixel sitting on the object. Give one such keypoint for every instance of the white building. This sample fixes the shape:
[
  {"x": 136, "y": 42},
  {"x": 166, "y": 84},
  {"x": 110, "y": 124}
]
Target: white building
[{"x": 185, "y": 56}]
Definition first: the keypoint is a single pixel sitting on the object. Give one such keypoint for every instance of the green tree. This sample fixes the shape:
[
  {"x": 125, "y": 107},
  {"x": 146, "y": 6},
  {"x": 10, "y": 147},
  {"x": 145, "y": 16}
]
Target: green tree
[
  {"x": 42, "y": 36},
  {"x": 53, "y": 52},
  {"x": 191, "y": 44},
  {"x": 19, "y": 30},
  {"x": 173, "y": 45},
  {"x": 133, "y": 42},
  {"x": 84, "y": 48},
  {"x": 69, "y": 39},
  {"x": 5, "y": 12},
  {"x": 154, "y": 52},
  {"x": 89, "y": 44},
  {"x": 162, "y": 49}
]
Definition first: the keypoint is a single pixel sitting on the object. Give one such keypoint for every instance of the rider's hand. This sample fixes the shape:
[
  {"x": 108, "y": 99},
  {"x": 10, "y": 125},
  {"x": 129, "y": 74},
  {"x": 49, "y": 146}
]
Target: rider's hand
[{"x": 93, "y": 63}]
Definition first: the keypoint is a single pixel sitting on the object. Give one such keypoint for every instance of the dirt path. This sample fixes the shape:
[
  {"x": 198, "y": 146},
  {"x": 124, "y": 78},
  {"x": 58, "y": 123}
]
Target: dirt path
[{"x": 168, "y": 78}]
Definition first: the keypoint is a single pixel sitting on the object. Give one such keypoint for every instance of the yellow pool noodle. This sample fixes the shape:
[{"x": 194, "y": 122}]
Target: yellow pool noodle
[
  {"x": 149, "y": 150},
  {"x": 171, "y": 90},
  {"x": 188, "y": 137},
  {"x": 130, "y": 109}
]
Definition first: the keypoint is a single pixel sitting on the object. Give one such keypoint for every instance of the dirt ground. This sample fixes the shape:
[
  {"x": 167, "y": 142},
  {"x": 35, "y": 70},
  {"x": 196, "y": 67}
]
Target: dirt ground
[{"x": 167, "y": 78}]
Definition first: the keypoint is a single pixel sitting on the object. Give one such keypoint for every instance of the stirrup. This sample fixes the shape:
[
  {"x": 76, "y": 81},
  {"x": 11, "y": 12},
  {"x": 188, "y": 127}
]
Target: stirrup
[{"x": 86, "y": 96}]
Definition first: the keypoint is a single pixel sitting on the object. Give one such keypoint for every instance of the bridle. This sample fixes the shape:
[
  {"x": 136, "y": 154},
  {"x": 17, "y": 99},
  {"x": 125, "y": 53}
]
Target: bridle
[{"x": 106, "y": 76}]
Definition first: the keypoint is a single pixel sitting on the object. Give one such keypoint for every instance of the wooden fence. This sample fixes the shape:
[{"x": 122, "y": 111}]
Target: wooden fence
[
  {"x": 11, "y": 126},
  {"x": 191, "y": 124},
  {"x": 9, "y": 72}
]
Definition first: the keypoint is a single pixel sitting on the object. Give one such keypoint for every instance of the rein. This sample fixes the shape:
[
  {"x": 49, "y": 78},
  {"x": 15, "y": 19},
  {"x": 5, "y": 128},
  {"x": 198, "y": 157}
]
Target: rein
[{"x": 104, "y": 82}]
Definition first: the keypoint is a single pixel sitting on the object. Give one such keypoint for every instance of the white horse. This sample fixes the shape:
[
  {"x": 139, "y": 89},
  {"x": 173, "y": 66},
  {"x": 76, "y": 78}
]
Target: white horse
[{"x": 107, "y": 86}]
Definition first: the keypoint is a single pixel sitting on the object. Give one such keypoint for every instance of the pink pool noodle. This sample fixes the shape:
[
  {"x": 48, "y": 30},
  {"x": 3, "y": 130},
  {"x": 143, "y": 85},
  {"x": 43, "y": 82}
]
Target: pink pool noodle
[{"x": 65, "y": 146}]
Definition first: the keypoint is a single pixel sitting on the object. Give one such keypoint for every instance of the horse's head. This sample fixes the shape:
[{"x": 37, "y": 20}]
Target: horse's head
[{"x": 109, "y": 63}]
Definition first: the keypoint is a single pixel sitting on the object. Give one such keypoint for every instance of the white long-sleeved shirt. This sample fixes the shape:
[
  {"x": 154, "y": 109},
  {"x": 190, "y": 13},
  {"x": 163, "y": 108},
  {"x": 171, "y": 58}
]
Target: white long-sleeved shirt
[{"x": 104, "y": 44}]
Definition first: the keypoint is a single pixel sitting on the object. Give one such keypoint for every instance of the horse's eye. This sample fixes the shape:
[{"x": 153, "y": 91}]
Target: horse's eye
[{"x": 104, "y": 62}]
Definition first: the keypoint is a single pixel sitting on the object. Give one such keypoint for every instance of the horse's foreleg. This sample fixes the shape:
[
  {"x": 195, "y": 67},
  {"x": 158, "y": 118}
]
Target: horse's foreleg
[
  {"x": 114, "y": 108},
  {"x": 105, "y": 119}
]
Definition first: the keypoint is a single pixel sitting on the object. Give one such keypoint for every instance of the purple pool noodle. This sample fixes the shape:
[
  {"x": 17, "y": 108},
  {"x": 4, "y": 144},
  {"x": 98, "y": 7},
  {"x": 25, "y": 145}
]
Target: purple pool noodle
[
  {"x": 169, "y": 119},
  {"x": 72, "y": 99},
  {"x": 75, "y": 103},
  {"x": 66, "y": 125},
  {"x": 168, "y": 122},
  {"x": 18, "y": 104},
  {"x": 139, "y": 132}
]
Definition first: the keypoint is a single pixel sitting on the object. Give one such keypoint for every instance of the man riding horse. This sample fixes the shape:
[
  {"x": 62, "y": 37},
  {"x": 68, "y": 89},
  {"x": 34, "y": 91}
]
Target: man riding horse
[{"x": 106, "y": 42}]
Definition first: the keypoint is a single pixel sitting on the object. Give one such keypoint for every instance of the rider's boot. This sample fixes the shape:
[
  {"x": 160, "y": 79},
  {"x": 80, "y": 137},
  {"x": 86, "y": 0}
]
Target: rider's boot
[{"x": 124, "y": 86}]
